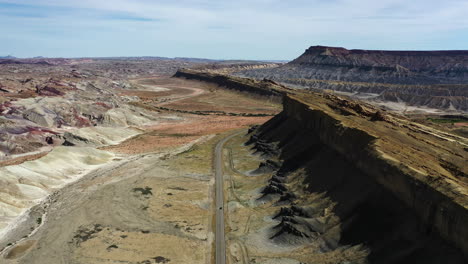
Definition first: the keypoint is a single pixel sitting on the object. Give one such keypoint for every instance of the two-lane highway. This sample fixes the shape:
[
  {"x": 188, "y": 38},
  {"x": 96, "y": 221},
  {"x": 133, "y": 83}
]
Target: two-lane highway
[{"x": 220, "y": 241}]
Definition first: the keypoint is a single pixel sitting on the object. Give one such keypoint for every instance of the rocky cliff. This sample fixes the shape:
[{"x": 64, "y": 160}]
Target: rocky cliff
[
  {"x": 349, "y": 173},
  {"x": 427, "y": 67},
  {"x": 398, "y": 188},
  {"x": 227, "y": 68},
  {"x": 262, "y": 88},
  {"x": 438, "y": 79}
]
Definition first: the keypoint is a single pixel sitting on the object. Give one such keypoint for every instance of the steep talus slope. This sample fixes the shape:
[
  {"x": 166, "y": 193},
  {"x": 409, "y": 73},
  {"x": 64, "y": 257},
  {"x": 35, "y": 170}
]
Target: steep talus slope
[
  {"x": 435, "y": 79},
  {"x": 398, "y": 188}
]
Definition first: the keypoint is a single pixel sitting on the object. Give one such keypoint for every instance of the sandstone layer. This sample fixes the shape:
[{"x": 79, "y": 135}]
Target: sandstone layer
[
  {"x": 377, "y": 167},
  {"x": 433, "y": 79}
]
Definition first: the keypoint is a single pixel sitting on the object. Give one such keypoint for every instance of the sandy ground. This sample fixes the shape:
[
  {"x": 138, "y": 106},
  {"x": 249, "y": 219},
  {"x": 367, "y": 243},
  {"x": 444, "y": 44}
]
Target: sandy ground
[
  {"x": 151, "y": 198},
  {"x": 179, "y": 128},
  {"x": 22, "y": 159},
  {"x": 139, "y": 205},
  {"x": 166, "y": 135}
]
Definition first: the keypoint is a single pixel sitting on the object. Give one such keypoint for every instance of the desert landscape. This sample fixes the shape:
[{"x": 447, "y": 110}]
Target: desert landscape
[
  {"x": 131, "y": 144},
  {"x": 233, "y": 132},
  {"x": 105, "y": 165}
]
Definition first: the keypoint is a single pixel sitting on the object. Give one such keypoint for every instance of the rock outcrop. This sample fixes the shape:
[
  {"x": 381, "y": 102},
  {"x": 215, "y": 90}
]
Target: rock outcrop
[
  {"x": 262, "y": 88},
  {"x": 404, "y": 67},
  {"x": 386, "y": 182},
  {"x": 223, "y": 68}
]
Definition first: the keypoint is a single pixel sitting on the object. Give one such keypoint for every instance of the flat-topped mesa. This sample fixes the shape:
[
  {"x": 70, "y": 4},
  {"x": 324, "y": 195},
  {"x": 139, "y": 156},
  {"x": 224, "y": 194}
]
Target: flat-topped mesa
[
  {"x": 326, "y": 50},
  {"x": 431, "y": 79},
  {"x": 343, "y": 51},
  {"x": 409, "y": 67}
]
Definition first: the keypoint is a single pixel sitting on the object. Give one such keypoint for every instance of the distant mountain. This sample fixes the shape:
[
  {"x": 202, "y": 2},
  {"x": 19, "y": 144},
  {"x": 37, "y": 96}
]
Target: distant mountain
[
  {"x": 397, "y": 67},
  {"x": 406, "y": 67},
  {"x": 45, "y": 61},
  {"x": 435, "y": 79},
  {"x": 7, "y": 57}
]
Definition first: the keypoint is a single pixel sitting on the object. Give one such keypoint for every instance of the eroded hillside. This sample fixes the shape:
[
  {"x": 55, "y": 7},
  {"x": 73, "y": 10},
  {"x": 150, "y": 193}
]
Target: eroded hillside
[
  {"x": 110, "y": 161},
  {"x": 431, "y": 79},
  {"x": 342, "y": 181}
]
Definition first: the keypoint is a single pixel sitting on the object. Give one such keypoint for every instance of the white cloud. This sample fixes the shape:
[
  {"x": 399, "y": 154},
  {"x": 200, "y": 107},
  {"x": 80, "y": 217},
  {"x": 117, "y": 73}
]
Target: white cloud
[{"x": 209, "y": 28}]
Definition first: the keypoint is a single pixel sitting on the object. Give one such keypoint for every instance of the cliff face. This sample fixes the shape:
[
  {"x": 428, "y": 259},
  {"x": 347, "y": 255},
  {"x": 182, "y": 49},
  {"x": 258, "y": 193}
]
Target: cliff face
[
  {"x": 261, "y": 88},
  {"x": 386, "y": 66},
  {"x": 230, "y": 68},
  {"x": 438, "y": 79},
  {"x": 399, "y": 188}
]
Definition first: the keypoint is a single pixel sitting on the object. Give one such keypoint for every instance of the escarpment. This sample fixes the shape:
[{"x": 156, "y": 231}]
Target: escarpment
[
  {"x": 388, "y": 66},
  {"x": 346, "y": 173},
  {"x": 229, "y": 68},
  {"x": 265, "y": 88},
  {"x": 379, "y": 66},
  {"x": 434, "y": 79}
]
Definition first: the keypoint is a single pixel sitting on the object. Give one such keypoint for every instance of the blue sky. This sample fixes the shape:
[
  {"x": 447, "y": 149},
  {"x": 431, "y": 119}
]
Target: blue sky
[{"x": 226, "y": 29}]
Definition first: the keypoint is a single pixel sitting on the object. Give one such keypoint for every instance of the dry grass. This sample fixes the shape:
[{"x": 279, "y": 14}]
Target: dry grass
[
  {"x": 176, "y": 133},
  {"x": 172, "y": 134},
  {"x": 226, "y": 101},
  {"x": 139, "y": 247}
]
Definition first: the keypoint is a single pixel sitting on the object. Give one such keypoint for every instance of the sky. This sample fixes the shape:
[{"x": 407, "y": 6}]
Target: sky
[{"x": 226, "y": 29}]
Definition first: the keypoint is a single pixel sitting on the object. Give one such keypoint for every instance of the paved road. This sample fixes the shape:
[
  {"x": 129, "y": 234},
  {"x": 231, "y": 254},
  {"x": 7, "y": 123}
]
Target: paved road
[{"x": 220, "y": 241}]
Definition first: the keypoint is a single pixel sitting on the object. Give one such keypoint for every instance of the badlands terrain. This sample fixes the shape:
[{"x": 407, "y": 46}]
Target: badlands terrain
[
  {"x": 404, "y": 81},
  {"x": 123, "y": 160},
  {"x": 110, "y": 161}
]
